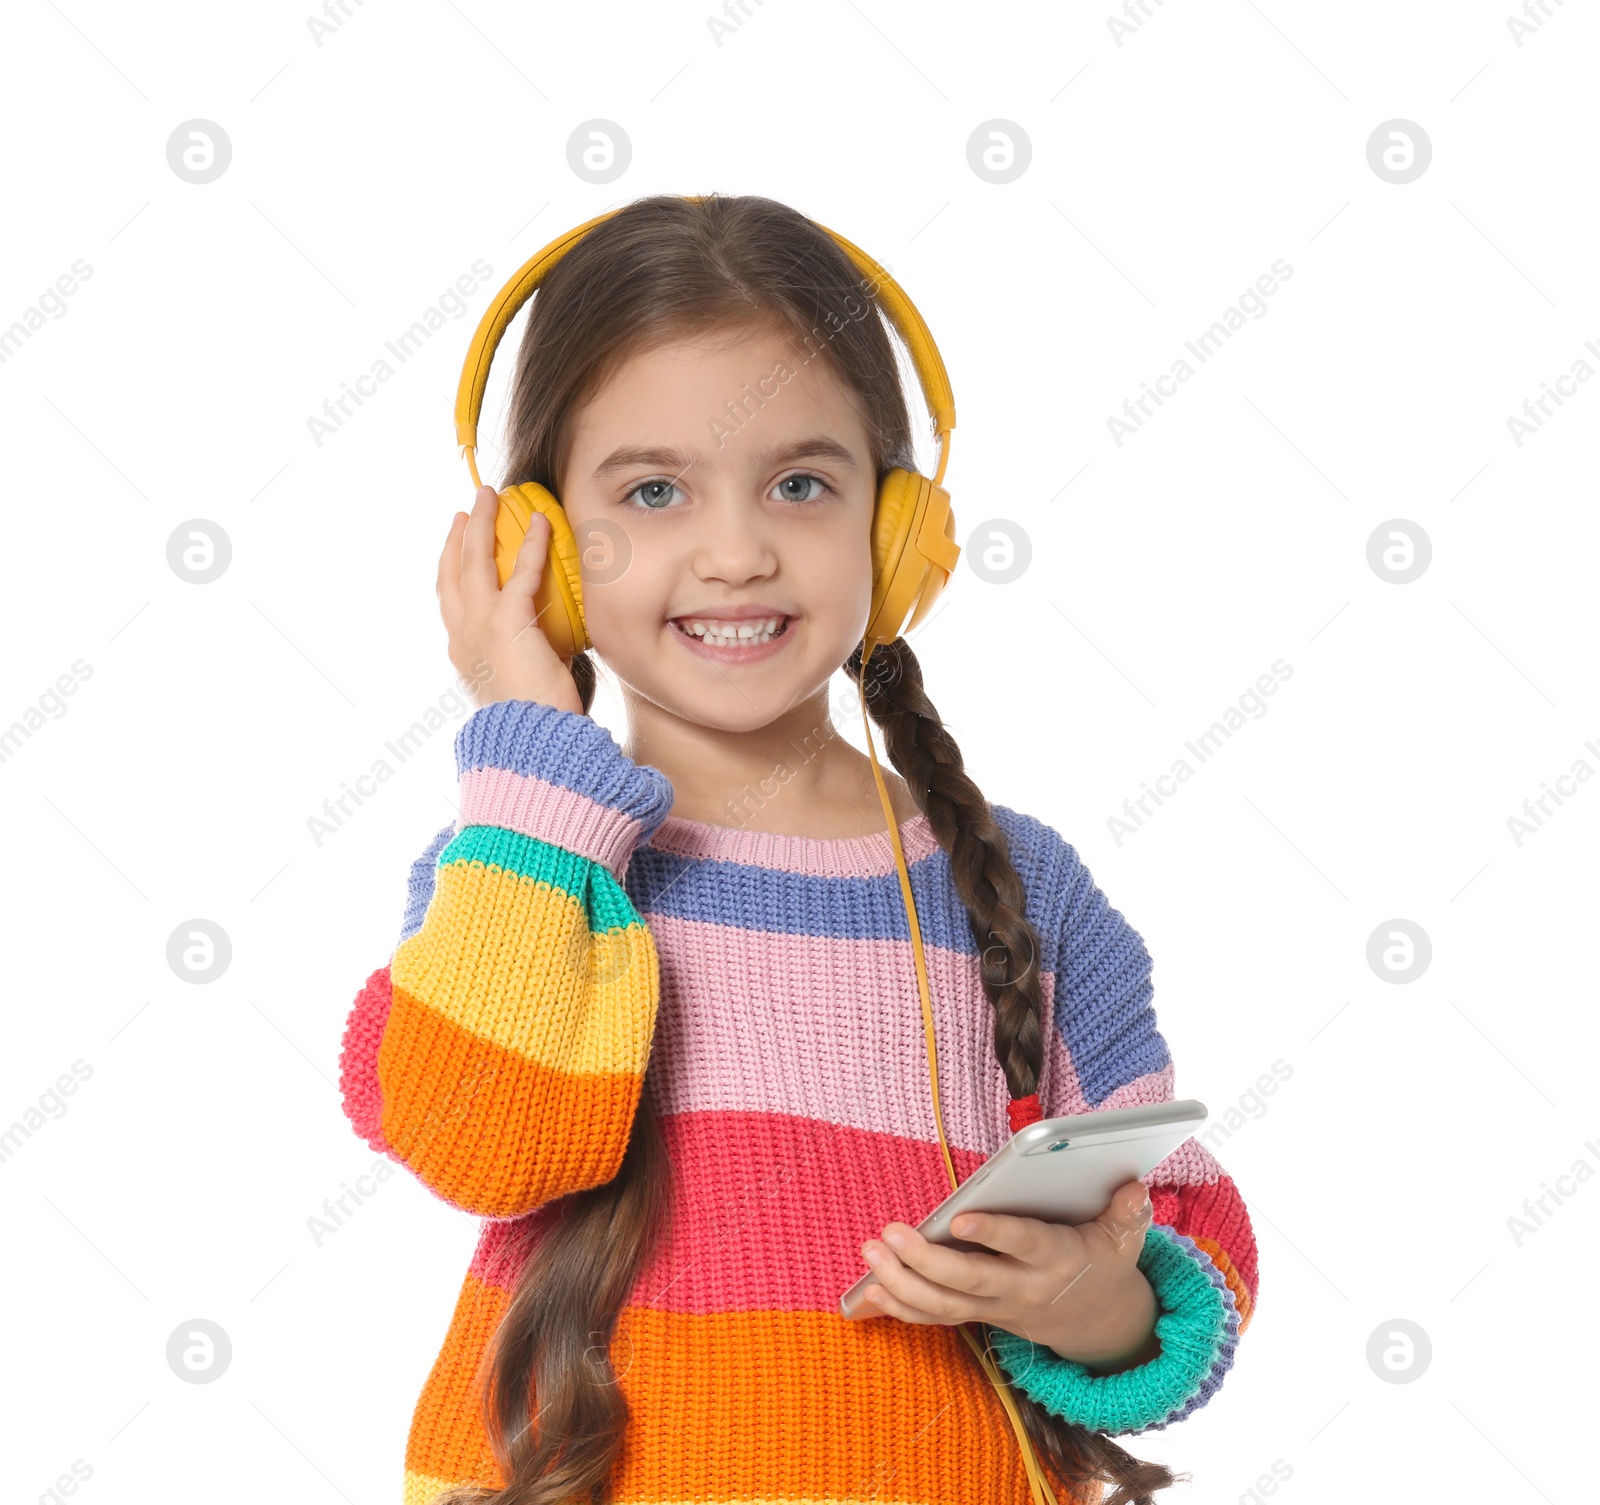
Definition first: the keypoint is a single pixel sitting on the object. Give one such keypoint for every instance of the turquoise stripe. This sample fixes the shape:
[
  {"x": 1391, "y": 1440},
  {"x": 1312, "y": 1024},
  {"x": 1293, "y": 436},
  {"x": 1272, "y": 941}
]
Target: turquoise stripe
[
  {"x": 588, "y": 883},
  {"x": 1195, "y": 1339}
]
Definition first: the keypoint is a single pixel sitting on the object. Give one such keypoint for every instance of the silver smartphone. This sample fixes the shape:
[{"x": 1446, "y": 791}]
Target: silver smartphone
[{"x": 1060, "y": 1170}]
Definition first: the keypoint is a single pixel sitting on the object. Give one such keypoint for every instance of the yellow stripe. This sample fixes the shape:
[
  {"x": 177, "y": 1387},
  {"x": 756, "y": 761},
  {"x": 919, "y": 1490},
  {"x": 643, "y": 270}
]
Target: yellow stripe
[{"x": 514, "y": 961}]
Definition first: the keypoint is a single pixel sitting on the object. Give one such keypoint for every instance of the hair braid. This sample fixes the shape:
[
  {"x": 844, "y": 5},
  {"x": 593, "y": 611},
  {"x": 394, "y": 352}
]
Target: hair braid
[
  {"x": 980, "y": 857},
  {"x": 987, "y": 882}
]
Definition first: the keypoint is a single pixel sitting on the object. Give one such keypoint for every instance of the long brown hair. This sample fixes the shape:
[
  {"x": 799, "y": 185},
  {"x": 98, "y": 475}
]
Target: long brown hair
[{"x": 663, "y": 268}]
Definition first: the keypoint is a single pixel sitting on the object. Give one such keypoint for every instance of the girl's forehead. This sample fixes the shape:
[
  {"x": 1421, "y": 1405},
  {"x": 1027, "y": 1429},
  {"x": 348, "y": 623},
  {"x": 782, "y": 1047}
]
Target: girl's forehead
[
  {"x": 715, "y": 385},
  {"x": 761, "y": 348},
  {"x": 818, "y": 448}
]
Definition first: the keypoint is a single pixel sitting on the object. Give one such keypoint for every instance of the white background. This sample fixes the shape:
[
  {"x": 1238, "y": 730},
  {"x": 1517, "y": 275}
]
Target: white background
[{"x": 1168, "y": 573}]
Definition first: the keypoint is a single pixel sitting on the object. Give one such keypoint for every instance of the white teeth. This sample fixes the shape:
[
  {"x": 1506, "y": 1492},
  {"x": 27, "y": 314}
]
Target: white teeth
[{"x": 729, "y": 634}]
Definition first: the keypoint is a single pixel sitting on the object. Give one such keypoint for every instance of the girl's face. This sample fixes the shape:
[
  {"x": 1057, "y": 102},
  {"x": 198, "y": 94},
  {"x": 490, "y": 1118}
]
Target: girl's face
[{"x": 732, "y": 486}]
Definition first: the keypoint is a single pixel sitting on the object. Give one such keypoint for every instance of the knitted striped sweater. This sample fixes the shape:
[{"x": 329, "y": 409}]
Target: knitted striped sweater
[{"x": 566, "y": 932}]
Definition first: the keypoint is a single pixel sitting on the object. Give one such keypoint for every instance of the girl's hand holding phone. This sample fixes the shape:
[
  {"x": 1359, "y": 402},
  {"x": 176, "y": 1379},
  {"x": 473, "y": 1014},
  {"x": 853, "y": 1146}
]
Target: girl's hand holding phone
[
  {"x": 496, "y": 644},
  {"x": 1077, "y": 1288}
]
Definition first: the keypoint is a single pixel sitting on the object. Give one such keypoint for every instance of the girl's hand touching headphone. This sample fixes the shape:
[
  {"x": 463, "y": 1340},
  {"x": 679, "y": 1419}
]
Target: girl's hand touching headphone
[{"x": 488, "y": 624}]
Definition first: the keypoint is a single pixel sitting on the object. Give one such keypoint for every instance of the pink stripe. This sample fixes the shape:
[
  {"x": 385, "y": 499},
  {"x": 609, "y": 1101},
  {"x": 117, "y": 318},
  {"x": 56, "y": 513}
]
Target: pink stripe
[
  {"x": 745, "y": 1022},
  {"x": 1153, "y": 1087},
  {"x": 828, "y": 857},
  {"x": 504, "y": 1245},
  {"x": 535, "y": 807},
  {"x": 771, "y": 1023},
  {"x": 1191, "y": 1164},
  {"x": 768, "y": 1213}
]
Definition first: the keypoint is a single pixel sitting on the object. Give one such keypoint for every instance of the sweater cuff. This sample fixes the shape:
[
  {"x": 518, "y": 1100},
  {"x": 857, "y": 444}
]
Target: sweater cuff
[
  {"x": 1198, "y": 1328},
  {"x": 559, "y": 777}
]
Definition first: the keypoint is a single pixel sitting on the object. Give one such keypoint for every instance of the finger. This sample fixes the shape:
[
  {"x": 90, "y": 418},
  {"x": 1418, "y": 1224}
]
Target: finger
[
  {"x": 880, "y": 1302},
  {"x": 1027, "y": 1239},
  {"x": 478, "y": 574},
  {"x": 911, "y": 1291},
  {"x": 448, "y": 584},
  {"x": 969, "y": 1273},
  {"x": 528, "y": 568},
  {"x": 1127, "y": 1217},
  {"x": 527, "y": 574}
]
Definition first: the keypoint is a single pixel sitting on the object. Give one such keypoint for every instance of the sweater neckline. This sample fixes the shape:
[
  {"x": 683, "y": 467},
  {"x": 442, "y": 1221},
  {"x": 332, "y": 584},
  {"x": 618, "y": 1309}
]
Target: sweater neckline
[{"x": 822, "y": 856}]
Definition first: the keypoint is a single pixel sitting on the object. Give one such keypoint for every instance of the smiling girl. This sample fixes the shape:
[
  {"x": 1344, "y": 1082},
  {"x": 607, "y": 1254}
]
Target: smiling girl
[{"x": 662, "y": 1034}]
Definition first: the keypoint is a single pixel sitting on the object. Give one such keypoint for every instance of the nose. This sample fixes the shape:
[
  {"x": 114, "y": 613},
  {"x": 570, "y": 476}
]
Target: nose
[{"x": 735, "y": 540}]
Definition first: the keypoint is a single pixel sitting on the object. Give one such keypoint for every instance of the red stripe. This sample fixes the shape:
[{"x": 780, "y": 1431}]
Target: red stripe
[
  {"x": 768, "y": 1212},
  {"x": 358, "y": 1059},
  {"x": 1215, "y": 1211}
]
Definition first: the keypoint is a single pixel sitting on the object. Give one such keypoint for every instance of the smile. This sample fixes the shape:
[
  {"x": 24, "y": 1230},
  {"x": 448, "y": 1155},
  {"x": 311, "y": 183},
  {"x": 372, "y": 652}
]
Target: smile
[
  {"x": 717, "y": 634},
  {"x": 733, "y": 642}
]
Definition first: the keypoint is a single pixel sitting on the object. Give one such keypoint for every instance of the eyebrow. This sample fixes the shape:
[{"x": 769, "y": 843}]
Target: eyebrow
[{"x": 817, "y": 447}]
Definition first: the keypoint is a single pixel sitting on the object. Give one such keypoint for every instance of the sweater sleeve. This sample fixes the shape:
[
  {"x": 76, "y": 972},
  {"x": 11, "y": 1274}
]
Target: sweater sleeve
[
  {"x": 1199, "y": 1252},
  {"x": 500, "y": 1053}
]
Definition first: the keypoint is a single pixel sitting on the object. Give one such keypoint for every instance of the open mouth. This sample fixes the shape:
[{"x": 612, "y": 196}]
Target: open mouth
[{"x": 751, "y": 633}]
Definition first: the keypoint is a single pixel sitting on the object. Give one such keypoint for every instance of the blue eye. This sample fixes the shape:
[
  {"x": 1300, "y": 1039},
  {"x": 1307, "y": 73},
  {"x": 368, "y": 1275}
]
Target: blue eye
[
  {"x": 658, "y": 494},
  {"x": 805, "y": 479},
  {"x": 654, "y": 495}
]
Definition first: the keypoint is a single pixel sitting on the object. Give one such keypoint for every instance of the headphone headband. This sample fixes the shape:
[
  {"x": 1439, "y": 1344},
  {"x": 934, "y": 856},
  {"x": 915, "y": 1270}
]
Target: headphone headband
[{"x": 497, "y": 318}]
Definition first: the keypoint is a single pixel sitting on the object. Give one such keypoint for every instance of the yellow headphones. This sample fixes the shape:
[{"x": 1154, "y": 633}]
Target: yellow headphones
[
  {"x": 913, "y": 530},
  {"x": 913, "y": 554}
]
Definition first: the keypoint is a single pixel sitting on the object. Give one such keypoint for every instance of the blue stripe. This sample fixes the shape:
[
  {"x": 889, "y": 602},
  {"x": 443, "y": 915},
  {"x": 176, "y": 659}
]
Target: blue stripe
[
  {"x": 566, "y": 749},
  {"x": 419, "y": 888},
  {"x": 1103, "y": 990},
  {"x": 748, "y": 897}
]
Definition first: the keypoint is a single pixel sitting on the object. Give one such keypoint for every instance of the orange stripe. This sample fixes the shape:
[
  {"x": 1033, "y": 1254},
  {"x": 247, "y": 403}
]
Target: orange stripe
[
  {"x": 1219, "y": 1257},
  {"x": 420, "y": 1489},
  {"x": 524, "y": 1134},
  {"x": 763, "y": 1404},
  {"x": 759, "y": 1406},
  {"x": 447, "y": 1440}
]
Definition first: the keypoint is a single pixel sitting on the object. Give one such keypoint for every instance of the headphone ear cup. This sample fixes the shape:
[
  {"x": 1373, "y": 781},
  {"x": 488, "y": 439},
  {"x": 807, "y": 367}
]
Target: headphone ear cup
[
  {"x": 913, "y": 553},
  {"x": 559, "y": 598}
]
